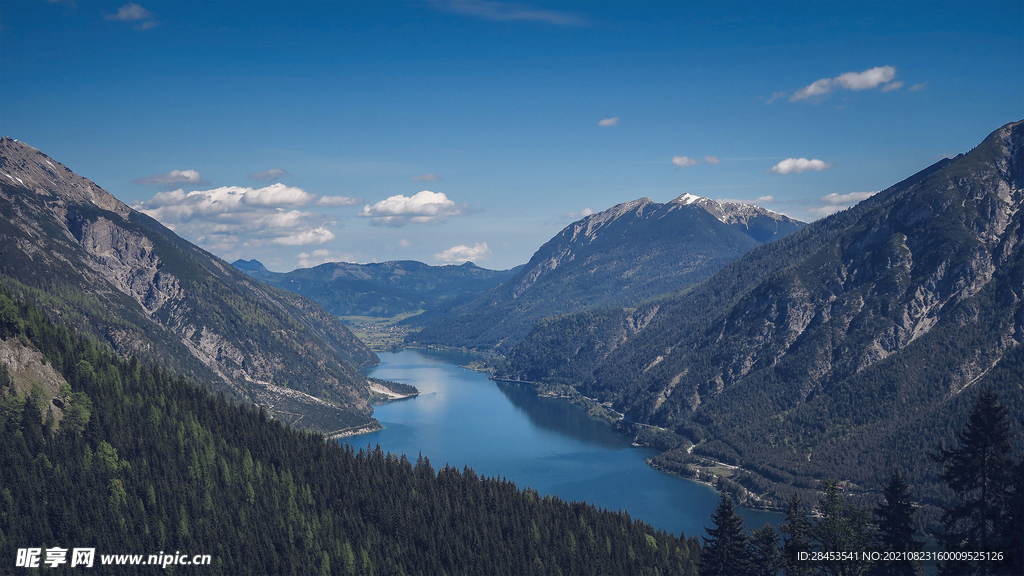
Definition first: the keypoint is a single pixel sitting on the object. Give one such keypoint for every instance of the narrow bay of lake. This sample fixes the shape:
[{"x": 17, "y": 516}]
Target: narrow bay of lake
[{"x": 505, "y": 430}]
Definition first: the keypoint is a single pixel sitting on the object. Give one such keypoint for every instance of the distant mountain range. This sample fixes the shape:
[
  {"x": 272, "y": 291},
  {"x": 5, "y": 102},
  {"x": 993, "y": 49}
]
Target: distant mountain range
[
  {"x": 619, "y": 257},
  {"x": 383, "y": 290},
  {"x": 121, "y": 276},
  {"x": 853, "y": 346}
]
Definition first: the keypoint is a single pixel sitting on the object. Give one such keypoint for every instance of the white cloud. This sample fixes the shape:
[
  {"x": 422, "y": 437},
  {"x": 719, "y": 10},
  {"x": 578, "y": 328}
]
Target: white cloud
[
  {"x": 462, "y": 253},
  {"x": 179, "y": 206},
  {"x": 317, "y": 235},
  {"x": 173, "y": 177},
  {"x": 130, "y": 13},
  {"x": 404, "y": 243},
  {"x": 684, "y": 161},
  {"x": 581, "y": 214},
  {"x": 775, "y": 96},
  {"x": 835, "y": 202},
  {"x": 427, "y": 177},
  {"x": 338, "y": 201},
  {"x": 508, "y": 12},
  {"x": 271, "y": 175},
  {"x": 916, "y": 87},
  {"x": 609, "y": 122},
  {"x": 823, "y": 211},
  {"x": 224, "y": 218},
  {"x": 768, "y": 198},
  {"x": 276, "y": 195},
  {"x": 816, "y": 88},
  {"x": 424, "y": 206},
  {"x": 798, "y": 165},
  {"x": 851, "y": 198},
  {"x": 867, "y": 79},
  {"x": 871, "y": 78},
  {"x": 892, "y": 86}
]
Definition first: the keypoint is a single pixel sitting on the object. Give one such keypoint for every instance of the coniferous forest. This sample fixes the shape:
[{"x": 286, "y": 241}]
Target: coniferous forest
[
  {"x": 145, "y": 462},
  {"x": 142, "y": 461}
]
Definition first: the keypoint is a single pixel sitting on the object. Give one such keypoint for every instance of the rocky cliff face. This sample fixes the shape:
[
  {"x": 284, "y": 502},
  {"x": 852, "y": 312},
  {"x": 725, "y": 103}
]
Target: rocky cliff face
[
  {"x": 621, "y": 256},
  {"x": 832, "y": 351},
  {"x": 123, "y": 277}
]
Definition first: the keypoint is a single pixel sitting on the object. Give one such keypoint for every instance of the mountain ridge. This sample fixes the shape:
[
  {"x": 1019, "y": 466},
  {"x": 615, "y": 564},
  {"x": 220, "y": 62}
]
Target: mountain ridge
[
  {"x": 128, "y": 280},
  {"x": 793, "y": 359},
  {"x": 384, "y": 289},
  {"x": 622, "y": 255}
]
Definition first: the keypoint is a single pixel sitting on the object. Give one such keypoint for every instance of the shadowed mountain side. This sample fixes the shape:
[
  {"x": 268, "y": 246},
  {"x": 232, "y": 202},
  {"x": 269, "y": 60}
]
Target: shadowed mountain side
[
  {"x": 847, "y": 348},
  {"x": 123, "y": 277},
  {"x": 618, "y": 257},
  {"x": 384, "y": 290}
]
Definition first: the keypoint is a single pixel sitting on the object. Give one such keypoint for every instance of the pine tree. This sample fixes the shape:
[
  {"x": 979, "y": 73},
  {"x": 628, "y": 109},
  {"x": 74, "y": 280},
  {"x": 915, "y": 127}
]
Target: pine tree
[
  {"x": 842, "y": 528},
  {"x": 765, "y": 556},
  {"x": 895, "y": 523},
  {"x": 795, "y": 539},
  {"x": 1013, "y": 524},
  {"x": 725, "y": 551},
  {"x": 980, "y": 473}
]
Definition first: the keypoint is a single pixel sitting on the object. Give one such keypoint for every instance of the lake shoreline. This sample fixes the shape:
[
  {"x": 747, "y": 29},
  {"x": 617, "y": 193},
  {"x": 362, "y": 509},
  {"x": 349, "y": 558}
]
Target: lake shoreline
[
  {"x": 604, "y": 413},
  {"x": 557, "y": 442},
  {"x": 355, "y": 431}
]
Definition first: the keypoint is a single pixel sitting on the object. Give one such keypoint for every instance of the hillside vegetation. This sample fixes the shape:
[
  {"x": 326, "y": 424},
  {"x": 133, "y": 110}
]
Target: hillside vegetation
[
  {"x": 844, "y": 350},
  {"x": 622, "y": 256},
  {"x": 151, "y": 462},
  {"x": 133, "y": 284}
]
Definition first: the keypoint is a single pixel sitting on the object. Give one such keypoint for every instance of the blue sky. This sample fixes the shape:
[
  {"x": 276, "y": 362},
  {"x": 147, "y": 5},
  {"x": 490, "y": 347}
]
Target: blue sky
[{"x": 304, "y": 132}]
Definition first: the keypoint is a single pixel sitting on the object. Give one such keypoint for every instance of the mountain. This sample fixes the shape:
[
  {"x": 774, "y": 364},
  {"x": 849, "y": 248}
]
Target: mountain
[
  {"x": 253, "y": 268},
  {"x": 383, "y": 290},
  {"x": 121, "y": 276},
  {"x": 618, "y": 257},
  {"x": 142, "y": 460},
  {"x": 846, "y": 349}
]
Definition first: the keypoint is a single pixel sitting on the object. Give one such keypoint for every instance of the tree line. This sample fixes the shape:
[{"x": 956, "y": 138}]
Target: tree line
[
  {"x": 981, "y": 527},
  {"x": 144, "y": 461}
]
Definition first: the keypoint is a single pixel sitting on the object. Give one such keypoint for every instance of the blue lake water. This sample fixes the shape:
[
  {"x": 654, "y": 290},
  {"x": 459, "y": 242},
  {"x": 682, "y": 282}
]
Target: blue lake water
[{"x": 505, "y": 430}]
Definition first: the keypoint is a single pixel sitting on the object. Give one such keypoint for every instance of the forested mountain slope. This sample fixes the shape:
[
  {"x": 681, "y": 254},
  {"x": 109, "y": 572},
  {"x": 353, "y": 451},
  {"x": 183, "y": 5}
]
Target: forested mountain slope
[
  {"x": 123, "y": 277},
  {"x": 155, "y": 463},
  {"x": 384, "y": 289},
  {"x": 848, "y": 348},
  {"x": 622, "y": 256}
]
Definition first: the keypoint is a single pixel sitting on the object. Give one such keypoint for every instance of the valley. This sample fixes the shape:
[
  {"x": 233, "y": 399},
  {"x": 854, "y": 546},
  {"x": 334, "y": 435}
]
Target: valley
[
  {"x": 791, "y": 362},
  {"x": 512, "y": 288},
  {"x": 763, "y": 377},
  {"x": 380, "y": 334},
  {"x": 782, "y": 365},
  {"x": 548, "y": 444}
]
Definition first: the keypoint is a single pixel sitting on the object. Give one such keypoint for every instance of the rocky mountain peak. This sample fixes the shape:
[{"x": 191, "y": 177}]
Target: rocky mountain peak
[
  {"x": 124, "y": 278},
  {"x": 868, "y": 332},
  {"x": 29, "y": 168},
  {"x": 729, "y": 212},
  {"x": 253, "y": 268},
  {"x": 622, "y": 255},
  {"x": 686, "y": 199}
]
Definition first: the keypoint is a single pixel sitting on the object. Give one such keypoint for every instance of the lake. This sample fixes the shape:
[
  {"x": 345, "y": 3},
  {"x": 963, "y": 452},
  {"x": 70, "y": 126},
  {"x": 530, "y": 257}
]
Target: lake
[{"x": 463, "y": 418}]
